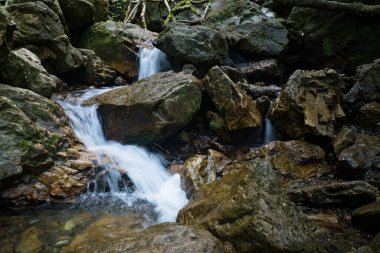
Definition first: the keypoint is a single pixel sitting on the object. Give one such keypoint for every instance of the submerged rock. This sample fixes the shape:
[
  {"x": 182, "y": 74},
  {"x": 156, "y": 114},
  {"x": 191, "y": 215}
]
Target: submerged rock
[
  {"x": 235, "y": 106},
  {"x": 117, "y": 44},
  {"x": 23, "y": 69},
  {"x": 198, "y": 45},
  {"x": 309, "y": 104},
  {"x": 7, "y": 28},
  {"x": 39, "y": 29},
  {"x": 248, "y": 209},
  {"x": 368, "y": 217},
  {"x": 151, "y": 109},
  {"x": 167, "y": 237}
]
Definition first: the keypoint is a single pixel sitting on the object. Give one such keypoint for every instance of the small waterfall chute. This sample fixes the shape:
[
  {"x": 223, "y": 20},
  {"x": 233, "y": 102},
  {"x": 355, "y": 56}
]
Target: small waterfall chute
[{"x": 152, "y": 61}]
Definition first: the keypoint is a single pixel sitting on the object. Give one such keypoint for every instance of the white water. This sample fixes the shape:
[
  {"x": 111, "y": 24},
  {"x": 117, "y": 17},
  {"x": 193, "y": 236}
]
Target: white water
[
  {"x": 152, "y": 61},
  {"x": 151, "y": 180},
  {"x": 270, "y": 133}
]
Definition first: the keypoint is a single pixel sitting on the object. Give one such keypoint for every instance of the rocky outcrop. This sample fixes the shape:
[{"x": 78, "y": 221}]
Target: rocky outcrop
[
  {"x": 367, "y": 86},
  {"x": 151, "y": 109},
  {"x": 268, "y": 70},
  {"x": 344, "y": 139},
  {"x": 167, "y": 237},
  {"x": 248, "y": 209},
  {"x": 308, "y": 105},
  {"x": 353, "y": 193},
  {"x": 7, "y": 28},
  {"x": 39, "y": 29},
  {"x": 117, "y": 44},
  {"x": 198, "y": 45},
  {"x": 368, "y": 115},
  {"x": 23, "y": 69},
  {"x": 368, "y": 217},
  {"x": 355, "y": 160},
  {"x": 235, "y": 106},
  {"x": 34, "y": 139}
]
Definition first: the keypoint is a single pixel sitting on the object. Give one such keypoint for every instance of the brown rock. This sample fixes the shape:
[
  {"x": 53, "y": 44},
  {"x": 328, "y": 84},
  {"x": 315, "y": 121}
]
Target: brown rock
[
  {"x": 369, "y": 115},
  {"x": 29, "y": 242},
  {"x": 344, "y": 139},
  {"x": 368, "y": 217}
]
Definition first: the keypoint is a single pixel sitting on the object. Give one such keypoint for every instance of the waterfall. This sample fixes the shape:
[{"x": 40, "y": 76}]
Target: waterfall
[
  {"x": 151, "y": 180},
  {"x": 270, "y": 133},
  {"x": 152, "y": 61}
]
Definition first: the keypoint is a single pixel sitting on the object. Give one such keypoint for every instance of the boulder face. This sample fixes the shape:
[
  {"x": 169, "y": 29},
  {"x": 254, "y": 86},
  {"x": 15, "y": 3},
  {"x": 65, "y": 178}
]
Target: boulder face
[
  {"x": 368, "y": 115},
  {"x": 308, "y": 105},
  {"x": 367, "y": 86},
  {"x": 167, "y": 237},
  {"x": 262, "y": 71},
  {"x": 368, "y": 217},
  {"x": 33, "y": 132},
  {"x": 248, "y": 209},
  {"x": 198, "y": 45},
  {"x": 39, "y": 29},
  {"x": 236, "y": 107},
  {"x": 151, "y": 109},
  {"x": 117, "y": 44},
  {"x": 23, "y": 69},
  {"x": 7, "y": 28},
  {"x": 363, "y": 155}
]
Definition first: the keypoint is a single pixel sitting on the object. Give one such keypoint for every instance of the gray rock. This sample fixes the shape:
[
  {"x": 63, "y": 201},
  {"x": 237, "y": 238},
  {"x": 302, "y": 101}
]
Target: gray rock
[
  {"x": 368, "y": 115},
  {"x": 248, "y": 209},
  {"x": 23, "y": 69},
  {"x": 7, "y": 28},
  {"x": 256, "y": 91},
  {"x": 344, "y": 139},
  {"x": 368, "y": 217},
  {"x": 198, "y": 45},
  {"x": 268, "y": 70}
]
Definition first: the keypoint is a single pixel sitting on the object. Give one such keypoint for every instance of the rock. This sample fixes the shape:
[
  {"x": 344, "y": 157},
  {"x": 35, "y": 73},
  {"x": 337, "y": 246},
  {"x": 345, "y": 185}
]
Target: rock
[
  {"x": 23, "y": 69},
  {"x": 234, "y": 74},
  {"x": 367, "y": 86},
  {"x": 248, "y": 209},
  {"x": 344, "y": 139},
  {"x": 369, "y": 115},
  {"x": 237, "y": 108},
  {"x": 78, "y": 14},
  {"x": 29, "y": 242},
  {"x": 198, "y": 45},
  {"x": 7, "y": 28},
  {"x": 257, "y": 91},
  {"x": 332, "y": 43},
  {"x": 167, "y": 237},
  {"x": 117, "y": 44},
  {"x": 308, "y": 105},
  {"x": 97, "y": 72},
  {"x": 151, "y": 109},
  {"x": 39, "y": 29},
  {"x": 268, "y": 70},
  {"x": 375, "y": 243},
  {"x": 248, "y": 29},
  {"x": 357, "y": 159},
  {"x": 101, "y": 10},
  {"x": 353, "y": 193},
  {"x": 368, "y": 217},
  {"x": 294, "y": 159}
]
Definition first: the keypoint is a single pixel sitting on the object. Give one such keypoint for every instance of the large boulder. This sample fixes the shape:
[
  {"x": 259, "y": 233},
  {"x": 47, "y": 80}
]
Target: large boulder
[
  {"x": 7, "y": 28},
  {"x": 167, "y": 237},
  {"x": 308, "y": 105},
  {"x": 117, "y": 44},
  {"x": 248, "y": 209},
  {"x": 34, "y": 137},
  {"x": 367, "y": 86},
  {"x": 268, "y": 70},
  {"x": 236, "y": 107},
  {"x": 198, "y": 45},
  {"x": 247, "y": 28},
  {"x": 151, "y": 109},
  {"x": 23, "y": 69},
  {"x": 368, "y": 217},
  {"x": 39, "y": 29},
  {"x": 335, "y": 39},
  {"x": 363, "y": 155}
]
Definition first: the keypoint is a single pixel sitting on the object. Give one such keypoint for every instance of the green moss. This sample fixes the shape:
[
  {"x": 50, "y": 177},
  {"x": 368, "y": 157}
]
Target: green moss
[
  {"x": 328, "y": 48},
  {"x": 216, "y": 126}
]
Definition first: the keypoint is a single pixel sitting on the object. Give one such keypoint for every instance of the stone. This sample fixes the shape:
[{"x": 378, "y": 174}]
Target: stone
[
  {"x": 7, "y": 27},
  {"x": 248, "y": 209},
  {"x": 167, "y": 237},
  {"x": 308, "y": 105},
  {"x": 368, "y": 217},
  {"x": 352, "y": 193},
  {"x": 367, "y": 85},
  {"x": 117, "y": 44},
  {"x": 294, "y": 159},
  {"x": 357, "y": 159},
  {"x": 198, "y": 45},
  {"x": 344, "y": 139},
  {"x": 267, "y": 70},
  {"x": 368, "y": 115},
  {"x": 29, "y": 242},
  {"x": 151, "y": 109},
  {"x": 235, "y": 106},
  {"x": 375, "y": 243},
  {"x": 257, "y": 91},
  {"x": 23, "y": 69},
  {"x": 39, "y": 29}
]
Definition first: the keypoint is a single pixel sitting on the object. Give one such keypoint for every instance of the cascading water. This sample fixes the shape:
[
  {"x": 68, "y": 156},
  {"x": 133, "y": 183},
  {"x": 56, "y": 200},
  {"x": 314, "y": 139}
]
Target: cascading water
[
  {"x": 146, "y": 171},
  {"x": 270, "y": 133},
  {"x": 152, "y": 61}
]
